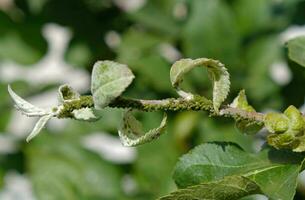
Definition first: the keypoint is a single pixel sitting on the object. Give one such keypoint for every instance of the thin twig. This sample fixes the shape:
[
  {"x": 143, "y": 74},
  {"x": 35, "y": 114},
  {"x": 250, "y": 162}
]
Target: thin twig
[{"x": 198, "y": 103}]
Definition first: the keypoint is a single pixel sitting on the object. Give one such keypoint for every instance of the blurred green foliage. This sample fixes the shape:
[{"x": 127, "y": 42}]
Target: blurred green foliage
[{"x": 245, "y": 35}]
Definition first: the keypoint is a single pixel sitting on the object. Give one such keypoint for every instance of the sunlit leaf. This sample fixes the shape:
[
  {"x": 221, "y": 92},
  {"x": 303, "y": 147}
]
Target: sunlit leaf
[{"x": 109, "y": 80}]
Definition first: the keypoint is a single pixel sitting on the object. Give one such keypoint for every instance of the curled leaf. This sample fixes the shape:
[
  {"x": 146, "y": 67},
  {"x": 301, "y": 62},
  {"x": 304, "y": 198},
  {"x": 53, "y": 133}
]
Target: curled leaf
[
  {"x": 26, "y": 107},
  {"x": 276, "y": 122},
  {"x": 217, "y": 73},
  {"x": 283, "y": 141},
  {"x": 132, "y": 134},
  {"x": 67, "y": 93},
  {"x": 287, "y": 128},
  {"x": 245, "y": 126},
  {"x": 109, "y": 80},
  {"x": 297, "y": 123},
  {"x": 39, "y": 125}
]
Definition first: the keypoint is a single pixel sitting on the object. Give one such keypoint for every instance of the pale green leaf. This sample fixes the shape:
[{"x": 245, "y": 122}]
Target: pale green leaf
[
  {"x": 241, "y": 102},
  {"x": 287, "y": 129},
  {"x": 109, "y": 80},
  {"x": 86, "y": 114},
  {"x": 132, "y": 134},
  {"x": 295, "y": 117},
  {"x": 296, "y": 50},
  {"x": 232, "y": 187},
  {"x": 39, "y": 126},
  {"x": 24, "y": 106},
  {"x": 217, "y": 73},
  {"x": 245, "y": 126},
  {"x": 276, "y": 122},
  {"x": 67, "y": 93},
  {"x": 274, "y": 171}
]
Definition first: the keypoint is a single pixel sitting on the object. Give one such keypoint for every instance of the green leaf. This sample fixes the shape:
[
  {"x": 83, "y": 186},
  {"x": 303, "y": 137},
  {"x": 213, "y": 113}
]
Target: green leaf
[
  {"x": 232, "y": 187},
  {"x": 217, "y": 73},
  {"x": 15, "y": 47},
  {"x": 245, "y": 126},
  {"x": 155, "y": 162},
  {"x": 109, "y": 80},
  {"x": 296, "y": 50},
  {"x": 132, "y": 134},
  {"x": 67, "y": 93},
  {"x": 39, "y": 126},
  {"x": 274, "y": 171},
  {"x": 287, "y": 129},
  {"x": 157, "y": 16},
  {"x": 141, "y": 48},
  {"x": 276, "y": 122},
  {"x": 209, "y": 22},
  {"x": 59, "y": 168},
  {"x": 254, "y": 16}
]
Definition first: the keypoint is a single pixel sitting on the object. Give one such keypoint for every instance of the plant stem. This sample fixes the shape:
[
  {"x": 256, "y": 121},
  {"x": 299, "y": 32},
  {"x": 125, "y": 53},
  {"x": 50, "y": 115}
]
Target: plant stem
[{"x": 198, "y": 103}]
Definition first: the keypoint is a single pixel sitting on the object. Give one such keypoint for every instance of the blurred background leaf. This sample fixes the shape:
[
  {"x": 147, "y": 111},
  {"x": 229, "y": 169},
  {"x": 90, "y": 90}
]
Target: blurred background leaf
[{"x": 45, "y": 43}]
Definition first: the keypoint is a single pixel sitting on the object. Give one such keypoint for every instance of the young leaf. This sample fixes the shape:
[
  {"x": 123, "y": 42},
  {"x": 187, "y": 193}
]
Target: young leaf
[
  {"x": 24, "y": 106},
  {"x": 132, "y": 134},
  {"x": 232, "y": 187},
  {"x": 39, "y": 125},
  {"x": 274, "y": 171},
  {"x": 296, "y": 50},
  {"x": 67, "y": 93},
  {"x": 276, "y": 122},
  {"x": 287, "y": 129},
  {"x": 109, "y": 80},
  {"x": 86, "y": 114},
  {"x": 217, "y": 73},
  {"x": 245, "y": 126}
]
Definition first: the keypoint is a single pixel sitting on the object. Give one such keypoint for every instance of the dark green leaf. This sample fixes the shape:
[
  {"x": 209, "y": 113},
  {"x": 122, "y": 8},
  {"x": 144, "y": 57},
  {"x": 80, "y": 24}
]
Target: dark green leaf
[
  {"x": 232, "y": 187},
  {"x": 214, "y": 161},
  {"x": 296, "y": 50}
]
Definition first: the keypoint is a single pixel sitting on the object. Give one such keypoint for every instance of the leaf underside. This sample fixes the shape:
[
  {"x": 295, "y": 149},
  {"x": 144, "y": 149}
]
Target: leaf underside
[
  {"x": 24, "y": 106},
  {"x": 132, "y": 134},
  {"x": 217, "y": 73}
]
